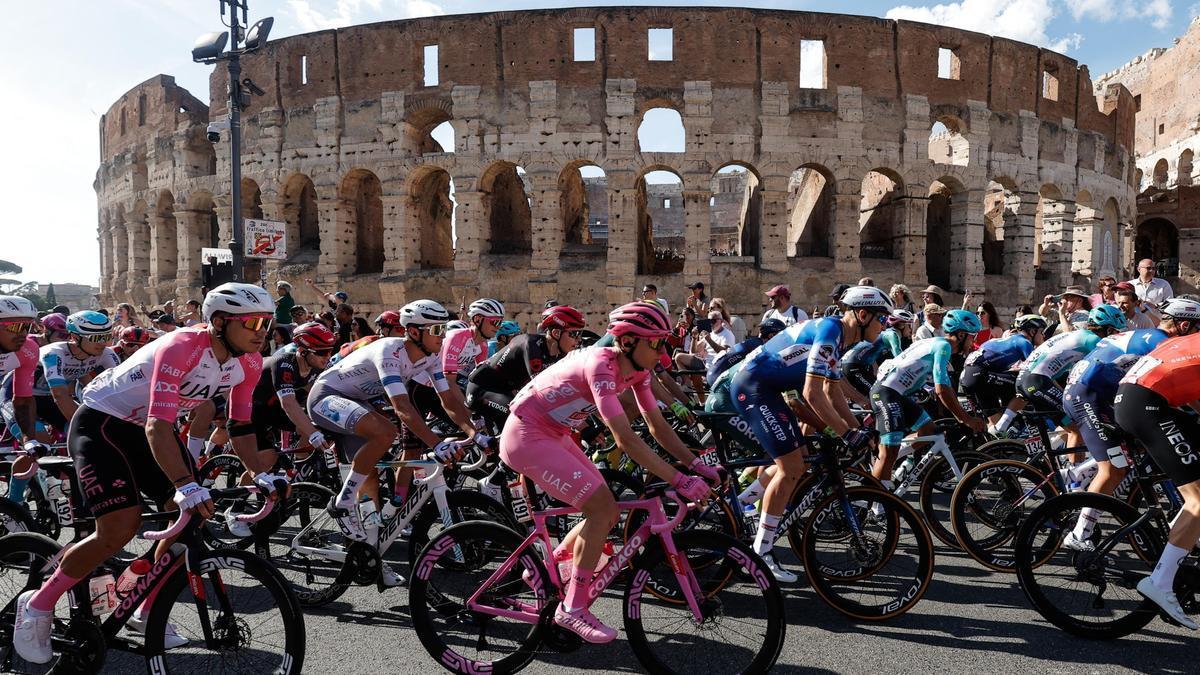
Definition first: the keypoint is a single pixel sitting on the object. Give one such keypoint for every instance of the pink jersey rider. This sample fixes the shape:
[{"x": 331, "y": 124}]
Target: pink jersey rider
[
  {"x": 461, "y": 352},
  {"x": 23, "y": 364}
]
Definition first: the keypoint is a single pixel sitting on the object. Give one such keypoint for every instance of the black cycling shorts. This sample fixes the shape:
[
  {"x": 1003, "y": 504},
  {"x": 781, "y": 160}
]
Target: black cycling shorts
[
  {"x": 1091, "y": 415},
  {"x": 114, "y": 463},
  {"x": 1041, "y": 391},
  {"x": 860, "y": 377},
  {"x": 492, "y": 405},
  {"x": 1170, "y": 435},
  {"x": 895, "y": 415},
  {"x": 991, "y": 389}
]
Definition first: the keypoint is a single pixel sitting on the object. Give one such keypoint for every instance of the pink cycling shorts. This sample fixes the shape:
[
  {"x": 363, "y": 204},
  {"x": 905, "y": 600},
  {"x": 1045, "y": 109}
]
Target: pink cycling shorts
[{"x": 551, "y": 459}]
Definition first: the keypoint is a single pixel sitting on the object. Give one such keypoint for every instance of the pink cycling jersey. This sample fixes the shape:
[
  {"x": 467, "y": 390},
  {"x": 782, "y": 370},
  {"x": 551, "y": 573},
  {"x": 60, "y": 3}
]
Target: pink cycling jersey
[
  {"x": 461, "y": 352},
  {"x": 23, "y": 363},
  {"x": 583, "y": 382},
  {"x": 173, "y": 375}
]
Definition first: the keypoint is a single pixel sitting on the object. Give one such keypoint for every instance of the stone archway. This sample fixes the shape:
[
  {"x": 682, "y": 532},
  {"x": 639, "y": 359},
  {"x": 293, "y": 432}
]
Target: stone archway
[
  {"x": 810, "y": 206},
  {"x": 510, "y": 218},
  {"x": 881, "y": 215},
  {"x": 660, "y": 222},
  {"x": 363, "y": 191},
  {"x": 735, "y": 211},
  {"x": 1158, "y": 240}
]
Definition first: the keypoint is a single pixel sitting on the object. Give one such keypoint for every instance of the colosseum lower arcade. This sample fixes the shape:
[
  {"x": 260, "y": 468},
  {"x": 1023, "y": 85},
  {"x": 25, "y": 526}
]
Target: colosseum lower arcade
[{"x": 514, "y": 155}]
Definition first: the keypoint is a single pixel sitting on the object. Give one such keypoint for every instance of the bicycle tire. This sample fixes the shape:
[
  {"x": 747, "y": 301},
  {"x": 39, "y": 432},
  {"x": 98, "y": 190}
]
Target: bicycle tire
[
  {"x": 850, "y": 476},
  {"x": 464, "y": 506},
  {"x": 304, "y": 522},
  {"x": 937, "y": 489},
  {"x": 14, "y": 518},
  {"x": 989, "y": 505},
  {"x": 477, "y": 543},
  {"x": 1053, "y": 519},
  {"x": 175, "y": 601},
  {"x": 743, "y": 564},
  {"x": 918, "y": 554},
  {"x": 25, "y": 563},
  {"x": 1005, "y": 448}
]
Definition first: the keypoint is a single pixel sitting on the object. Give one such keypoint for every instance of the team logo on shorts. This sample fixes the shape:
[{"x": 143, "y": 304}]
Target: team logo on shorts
[{"x": 741, "y": 397}]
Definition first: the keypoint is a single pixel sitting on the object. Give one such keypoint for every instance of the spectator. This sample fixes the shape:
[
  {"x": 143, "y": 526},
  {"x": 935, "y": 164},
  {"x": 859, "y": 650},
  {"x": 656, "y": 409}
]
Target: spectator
[
  {"x": 61, "y": 309},
  {"x": 344, "y": 315},
  {"x": 192, "y": 316},
  {"x": 333, "y": 299},
  {"x": 328, "y": 320},
  {"x": 932, "y": 295},
  {"x": 681, "y": 337},
  {"x": 165, "y": 323},
  {"x": 1150, "y": 288},
  {"x": 866, "y": 281},
  {"x": 359, "y": 329},
  {"x": 697, "y": 300},
  {"x": 650, "y": 294},
  {"x": 735, "y": 322},
  {"x": 1062, "y": 310},
  {"x": 718, "y": 339},
  {"x": 782, "y": 307},
  {"x": 991, "y": 323},
  {"x": 126, "y": 316},
  {"x": 1106, "y": 291},
  {"x": 932, "y": 327},
  {"x": 731, "y": 357},
  {"x": 284, "y": 303},
  {"x": 1138, "y": 313},
  {"x": 902, "y": 298},
  {"x": 299, "y": 314}
]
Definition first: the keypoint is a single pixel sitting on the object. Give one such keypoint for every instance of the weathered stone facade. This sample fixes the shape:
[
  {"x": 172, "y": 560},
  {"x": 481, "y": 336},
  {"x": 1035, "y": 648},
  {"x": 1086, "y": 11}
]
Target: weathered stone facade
[{"x": 842, "y": 177}]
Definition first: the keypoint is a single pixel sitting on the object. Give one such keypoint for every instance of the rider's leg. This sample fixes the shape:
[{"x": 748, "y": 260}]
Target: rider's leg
[
  {"x": 113, "y": 531},
  {"x": 377, "y": 433},
  {"x": 1184, "y": 534},
  {"x": 789, "y": 468}
]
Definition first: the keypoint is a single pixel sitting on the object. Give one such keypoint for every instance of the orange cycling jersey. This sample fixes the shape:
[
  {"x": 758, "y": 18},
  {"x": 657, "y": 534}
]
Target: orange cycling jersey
[{"x": 1172, "y": 370}]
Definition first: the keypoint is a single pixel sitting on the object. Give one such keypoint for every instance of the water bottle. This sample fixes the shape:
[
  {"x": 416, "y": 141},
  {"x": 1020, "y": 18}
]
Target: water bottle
[
  {"x": 370, "y": 519},
  {"x": 129, "y": 578},
  {"x": 103, "y": 592},
  {"x": 903, "y": 470},
  {"x": 490, "y": 487}
]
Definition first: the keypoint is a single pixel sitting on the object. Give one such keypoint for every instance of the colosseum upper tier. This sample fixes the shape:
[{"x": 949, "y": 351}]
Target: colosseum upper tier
[{"x": 815, "y": 148}]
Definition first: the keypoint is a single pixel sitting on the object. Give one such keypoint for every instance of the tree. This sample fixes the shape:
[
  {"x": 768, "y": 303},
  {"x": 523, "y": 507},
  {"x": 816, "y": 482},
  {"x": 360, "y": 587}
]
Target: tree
[
  {"x": 7, "y": 267},
  {"x": 51, "y": 298}
]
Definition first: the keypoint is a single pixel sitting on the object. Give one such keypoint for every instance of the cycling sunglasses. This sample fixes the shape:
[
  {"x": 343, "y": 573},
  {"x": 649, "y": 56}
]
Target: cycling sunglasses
[
  {"x": 19, "y": 327},
  {"x": 254, "y": 323},
  {"x": 98, "y": 337},
  {"x": 576, "y": 334},
  {"x": 657, "y": 343},
  {"x": 321, "y": 352},
  {"x": 492, "y": 321},
  {"x": 436, "y": 330}
]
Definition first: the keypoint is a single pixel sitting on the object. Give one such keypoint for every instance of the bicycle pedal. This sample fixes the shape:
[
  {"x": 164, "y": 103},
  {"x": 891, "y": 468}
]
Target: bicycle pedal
[{"x": 561, "y": 640}]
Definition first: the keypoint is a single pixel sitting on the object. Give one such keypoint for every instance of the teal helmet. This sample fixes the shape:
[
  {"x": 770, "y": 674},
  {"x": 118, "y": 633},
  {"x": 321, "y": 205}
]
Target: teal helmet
[
  {"x": 88, "y": 323},
  {"x": 509, "y": 327},
  {"x": 958, "y": 320},
  {"x": 1108, "y": 316}
]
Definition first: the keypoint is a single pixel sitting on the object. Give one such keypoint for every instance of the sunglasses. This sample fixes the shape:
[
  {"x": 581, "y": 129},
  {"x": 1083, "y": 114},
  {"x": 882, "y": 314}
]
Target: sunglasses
[
  {"x": 492, "y": 321},
  {"x": 253, "y": 323},
  {"x": 436, "y": 330},
  {"x": 657, "y": 343},
  {"x": 18, "y": 327},
  {"x": 575, "y": 334},
  {"x": 98, "y": 337},
  {"x": 322, "y": 352}
]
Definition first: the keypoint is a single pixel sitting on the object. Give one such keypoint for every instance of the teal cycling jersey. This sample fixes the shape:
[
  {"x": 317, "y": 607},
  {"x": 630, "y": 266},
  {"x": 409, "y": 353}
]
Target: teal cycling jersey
[
  {"x": 58, "y": 367},
  {"x": 1054, "y": 357},
  {"x": 867, "y": 354},
  {"x": 925, "y": 359}
]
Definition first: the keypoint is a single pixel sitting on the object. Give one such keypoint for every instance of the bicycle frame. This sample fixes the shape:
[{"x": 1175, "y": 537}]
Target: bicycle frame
[{"x": 939, "y": 448}]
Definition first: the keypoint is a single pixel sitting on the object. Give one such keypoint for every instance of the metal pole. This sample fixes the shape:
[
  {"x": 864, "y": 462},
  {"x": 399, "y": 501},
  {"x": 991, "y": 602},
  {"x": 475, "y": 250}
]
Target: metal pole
[{"x": 235, "y": 143}]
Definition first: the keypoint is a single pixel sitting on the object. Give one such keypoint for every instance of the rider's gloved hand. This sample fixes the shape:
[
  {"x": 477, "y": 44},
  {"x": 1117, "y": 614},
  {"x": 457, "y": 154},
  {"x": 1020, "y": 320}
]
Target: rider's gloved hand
[
  {"x": 691, "y": 488},
  {"x": 267, "y": 482},
  {"x": 482, "y": 440},
  {"x": 710, "y": 473},
  {"x": 447, "y": 450},
  {"x": 681, "y": 411},
  {"x": 36, "y": 448},
  {"x": 857, "y": 439},
  {"x": 317, "y": 440},
  {"x": 190, "y": 496}
]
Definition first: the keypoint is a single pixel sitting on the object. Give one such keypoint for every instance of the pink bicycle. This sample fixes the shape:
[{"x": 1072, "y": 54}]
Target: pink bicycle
[{"x": 483, "y": 597}]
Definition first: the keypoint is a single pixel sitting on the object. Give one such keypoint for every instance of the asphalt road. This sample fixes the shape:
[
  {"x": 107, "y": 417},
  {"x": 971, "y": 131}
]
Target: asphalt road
[{"x": 970, "y": 621}]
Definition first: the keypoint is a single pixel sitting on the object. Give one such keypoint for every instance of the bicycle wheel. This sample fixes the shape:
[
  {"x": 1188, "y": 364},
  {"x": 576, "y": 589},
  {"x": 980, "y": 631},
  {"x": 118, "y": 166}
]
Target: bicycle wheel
[
  {"x": 807, "y": 496},
  {"x": 455, "y": 566},
  {"x": 878, "y": 572},
  {"x": 464, "y": 506},
  {"x": 237, "y": 613},
  {"x": 743, "y": 624},
  {"x": 989, "y": 505},
  {"x": 937, "y": 488},
  {"x": 26, "y": 560},
  {"x": 14, "y": 519},
  {"x": 305, "y": 544},
  {"x": 1005, "y": 448},
  {"x": 1089, "y": 594}
]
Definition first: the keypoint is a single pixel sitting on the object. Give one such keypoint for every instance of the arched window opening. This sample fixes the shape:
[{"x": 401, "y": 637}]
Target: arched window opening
[
  {"x": 584, "y": 205},
  {"x": 810, "y": 207},
  {"x": 735, "y": 212},
  {"x": 302, "y": 216},
  {"x": 880, "y": 221},
  {"x": 945, "y": 218},
  {"x": 660, "y": 223},
  {"x": 443, "y": 136},
  {"x": 251, "y": 199},
  {"x": 1158, "y": 240},
  {"x": 1185, "y": 168},
  {"x": 120, "y": 242},
  {"x": 947, "y": 145},
  {"x": 365, "y": 194},
  {"x": 661, "y": 130},
  {"x": 166, "y": 238},
  {"x": 1109, "y": 256},
  {"x": 1160, "y": 174},
  {"x": 506, "y": 198},
  {"x": 1000, "y": 205},
  {"x": 429, "y": 131},
  {"x": 433, "y": 203}
]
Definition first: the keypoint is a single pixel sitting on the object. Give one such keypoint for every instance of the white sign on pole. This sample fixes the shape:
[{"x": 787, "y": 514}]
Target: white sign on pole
[
  {"x": 223, "y": 255},
  {"x": 266, "y": 239}
]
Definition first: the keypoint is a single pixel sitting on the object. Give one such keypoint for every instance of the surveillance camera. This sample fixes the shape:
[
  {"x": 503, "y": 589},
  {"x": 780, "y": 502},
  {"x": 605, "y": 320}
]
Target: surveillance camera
[
  {"x": 254, "y": 88},
  {"x": 214, "y": 130}
]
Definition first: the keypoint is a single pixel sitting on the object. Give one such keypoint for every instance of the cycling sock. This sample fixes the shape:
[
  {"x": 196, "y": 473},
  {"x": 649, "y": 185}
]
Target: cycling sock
[
  {"x": 1086, "y": 522},
  {"x": 578, "y": 590},
  {"x": 16, "y": 489},
  {"x": 1168, "y": 564},
  {"x": 47, "y": 596},
  {"x": 348, "y": 497},
  {"x": 753, "y": 493},
  {"x": 764, "y": 539},
  {"x": 1006, "y": 420},
  {"x": 197, "y": 446}
]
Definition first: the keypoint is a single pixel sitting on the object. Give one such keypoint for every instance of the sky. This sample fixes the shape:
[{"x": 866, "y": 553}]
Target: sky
[{"x": 60, "y": 75}]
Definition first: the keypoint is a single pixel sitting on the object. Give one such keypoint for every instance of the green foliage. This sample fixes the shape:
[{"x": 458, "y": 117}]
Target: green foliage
[{"x": 7, "y": 267}]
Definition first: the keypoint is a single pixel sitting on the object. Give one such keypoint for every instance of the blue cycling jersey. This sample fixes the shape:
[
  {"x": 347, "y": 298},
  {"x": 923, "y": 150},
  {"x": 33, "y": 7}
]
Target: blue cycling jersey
[
  {"x": 1001, "y": 353},
  {"x": 867, "y": 354},
  {"x": 811, "y": 348},
  {"x": 732, "y": 356},
  {"x": 1101, "y": 370}
]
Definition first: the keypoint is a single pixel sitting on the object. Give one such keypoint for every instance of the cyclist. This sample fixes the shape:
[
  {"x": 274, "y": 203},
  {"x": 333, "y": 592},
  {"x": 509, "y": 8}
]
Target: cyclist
[
  {"x": 287, "y": 376},
  {"x": 54, "y": 329},
  {"x": 508, "y": 330},
  {"x": 131, "y": 339},
  {"x": 988, "y": 378},
  {"x": 1091, "y": 388},
  {"x": 738, "y": 353},
  {"x": 537, "y": 442},
  {"x": 340, "y": 401},
  {"x": 805, "y": 356},
  {"x": 859, "y": 364},
  {"x": 18, "y": 360},
  {"x": 124, "y": 442},
  {"x": 387, "y": 324},
  {"x": 492, "y": 386},
  {"x": 1149, "y": 406},
  {"x": 466, "y": 349},
  {"x": 896, "y": 413},
  {"x": 75, "y": 362}
]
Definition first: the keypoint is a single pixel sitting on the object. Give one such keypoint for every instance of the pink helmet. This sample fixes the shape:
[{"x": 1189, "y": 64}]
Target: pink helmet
[
  {"x": 644, "y": 320},
  {"x": 56, "y": 323}
]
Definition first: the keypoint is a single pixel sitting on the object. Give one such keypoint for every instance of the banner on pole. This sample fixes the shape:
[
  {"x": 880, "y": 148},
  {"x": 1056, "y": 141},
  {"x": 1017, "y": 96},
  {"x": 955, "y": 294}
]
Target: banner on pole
[
  {"x": 266, "y": 239},
  {"x": 223, "y": 255}
]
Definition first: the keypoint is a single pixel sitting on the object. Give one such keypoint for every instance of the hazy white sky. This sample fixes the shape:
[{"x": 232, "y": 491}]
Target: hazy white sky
[{"x": 66, "y": 61}]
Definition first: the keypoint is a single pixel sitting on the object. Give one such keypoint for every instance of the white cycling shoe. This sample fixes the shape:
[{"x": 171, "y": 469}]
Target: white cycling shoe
[
  {"x": 236, "y": 527},
  {"x": 1166, "y": 600},
  {"x": 171, "y": 637},
  {"x": 349, "y": 520},
  {"x": 782, "y": 575},
  {"x": 389, "y": 576},
  {"x": 31, "y": 634},
  {"x": 1076, "y": 544}
]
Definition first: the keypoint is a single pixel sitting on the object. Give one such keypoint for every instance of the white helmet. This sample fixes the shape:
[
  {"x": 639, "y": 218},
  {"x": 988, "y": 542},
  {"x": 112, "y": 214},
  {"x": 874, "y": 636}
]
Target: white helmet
[
  {"x": 16, "y": 307},
  {"x": 866, "y": 297},
  {"x": 423, "y": 313},
  {"x": 457, "y": 324},
  {"x": 235, "y": 298},
  {"x": 486, "y": 307},
  {"x": 1181, "y": 308}
]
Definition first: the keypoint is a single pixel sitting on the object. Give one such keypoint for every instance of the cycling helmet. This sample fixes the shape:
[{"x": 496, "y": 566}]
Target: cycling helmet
[
  {"x": 54, "y": 323},
  {"x": 389, "y": 319},
  {"x": 420, "y": 313},
  {"x": 16, "y": 307},
  {"x": 236, "y": 298},
  {"x": 1176, "y": 308},
  {"x": 313, "y": 335},
  {"x": 487, "y": 308},
  {"x": 960, "y": 320},
  {"x": 457, "y": 324},
  {"x": 136, "y": 335},
  {"x": 562, "y": 316},
  {"x": 640, "y": 319},
  {"x": 508, "y": 328},
  {"x": 866, "y": 297},
  {"x": 1029, "y": 322},
  {"x": 1107, "y": 315},
  {"x": 771, "y": 327},
  {"x": 900, "y": 316},
  {"x": 88, "y": 323}
]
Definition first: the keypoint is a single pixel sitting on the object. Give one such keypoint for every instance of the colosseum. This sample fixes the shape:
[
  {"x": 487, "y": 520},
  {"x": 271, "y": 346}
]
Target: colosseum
[{"x": 815, "y": 148}]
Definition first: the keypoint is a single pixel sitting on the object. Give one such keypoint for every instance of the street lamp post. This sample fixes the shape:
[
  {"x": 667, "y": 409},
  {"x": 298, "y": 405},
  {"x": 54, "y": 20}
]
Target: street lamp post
[{"x": 210, "y": 49}]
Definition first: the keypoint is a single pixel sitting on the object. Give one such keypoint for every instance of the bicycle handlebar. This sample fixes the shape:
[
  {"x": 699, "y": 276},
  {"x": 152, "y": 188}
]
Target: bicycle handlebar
[
  {"x": 177, "y": 527},
  {"x": 671, "y": 524}
]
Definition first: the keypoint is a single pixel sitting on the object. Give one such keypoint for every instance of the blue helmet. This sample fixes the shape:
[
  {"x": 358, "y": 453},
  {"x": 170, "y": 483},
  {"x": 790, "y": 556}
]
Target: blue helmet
[
  {"x": 508, "y": 328},
  {"x": 89, "y": 323},
  {"x": 1107, "y": 315},
  {"x": 958, "y": 320}
]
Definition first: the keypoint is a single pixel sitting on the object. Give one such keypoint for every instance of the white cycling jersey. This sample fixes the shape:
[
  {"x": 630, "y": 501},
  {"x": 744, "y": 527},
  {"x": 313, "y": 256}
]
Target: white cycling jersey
[
  {"x": 61, "y": 368},
  {"x": 380, "y": 368}
]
